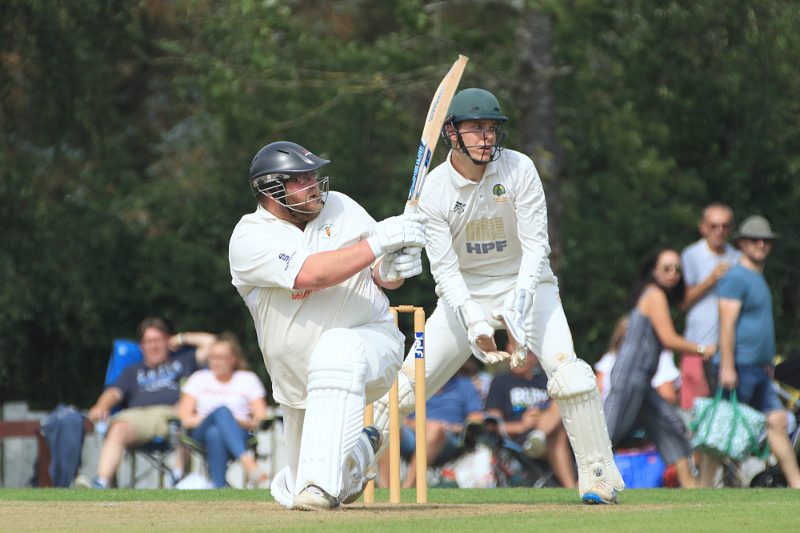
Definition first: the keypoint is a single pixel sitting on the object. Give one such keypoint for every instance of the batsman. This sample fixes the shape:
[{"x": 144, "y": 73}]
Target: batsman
[
  {"x": 488, "y": 247},
  {"x": 310, "y": 264}
]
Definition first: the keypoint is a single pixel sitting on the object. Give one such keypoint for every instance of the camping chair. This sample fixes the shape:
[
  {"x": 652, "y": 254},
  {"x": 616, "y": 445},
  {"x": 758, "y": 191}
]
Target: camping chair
[
  {"x": 198, "y": 451},
  {"x": 155, "y": 452}
]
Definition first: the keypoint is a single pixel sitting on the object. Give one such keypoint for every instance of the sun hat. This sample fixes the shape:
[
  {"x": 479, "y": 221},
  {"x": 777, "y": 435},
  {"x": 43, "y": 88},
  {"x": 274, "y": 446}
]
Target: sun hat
[{"x": 755, "y": 227}]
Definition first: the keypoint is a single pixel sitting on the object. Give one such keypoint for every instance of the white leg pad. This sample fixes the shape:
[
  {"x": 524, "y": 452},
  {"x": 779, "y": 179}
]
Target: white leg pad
[
  {"x": 282, "y": 489},
  {"x": 574, "y": 386},
  {"x": 406, "y": 406},
  {"x": 334, "y": 410}
]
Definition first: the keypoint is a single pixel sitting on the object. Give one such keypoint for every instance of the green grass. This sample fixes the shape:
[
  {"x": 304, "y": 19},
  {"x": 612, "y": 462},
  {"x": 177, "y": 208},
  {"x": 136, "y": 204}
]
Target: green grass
[{"x": 449, "y": 510}]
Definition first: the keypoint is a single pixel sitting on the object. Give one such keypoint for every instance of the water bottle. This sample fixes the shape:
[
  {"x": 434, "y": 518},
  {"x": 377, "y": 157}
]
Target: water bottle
[{"x": 535, "y": 444}]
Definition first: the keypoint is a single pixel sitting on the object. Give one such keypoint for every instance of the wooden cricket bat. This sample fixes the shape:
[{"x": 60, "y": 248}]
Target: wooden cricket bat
[{"x": 434, "y": 121}]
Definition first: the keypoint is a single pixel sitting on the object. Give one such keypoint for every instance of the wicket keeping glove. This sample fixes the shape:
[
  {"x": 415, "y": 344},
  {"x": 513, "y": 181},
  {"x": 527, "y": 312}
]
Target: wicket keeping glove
[
  {"x": 479, "y": 333},
  {"x": 513, "y": 315}
]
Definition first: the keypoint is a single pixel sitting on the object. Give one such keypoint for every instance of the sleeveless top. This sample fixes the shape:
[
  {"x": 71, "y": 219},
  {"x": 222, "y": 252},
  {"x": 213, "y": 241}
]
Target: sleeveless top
[{"x": 637, "y": 360}]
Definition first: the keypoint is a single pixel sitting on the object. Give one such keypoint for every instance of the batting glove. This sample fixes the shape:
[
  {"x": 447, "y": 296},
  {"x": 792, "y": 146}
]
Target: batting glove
[
  {"x": 480, "y": 333},
  {"x": 398, "y": 232},
  {"x": 403, "y": 264}
]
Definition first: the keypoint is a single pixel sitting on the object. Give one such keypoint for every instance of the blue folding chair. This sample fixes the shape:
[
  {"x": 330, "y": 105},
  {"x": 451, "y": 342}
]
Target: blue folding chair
[{"x": 124, "y": 353}]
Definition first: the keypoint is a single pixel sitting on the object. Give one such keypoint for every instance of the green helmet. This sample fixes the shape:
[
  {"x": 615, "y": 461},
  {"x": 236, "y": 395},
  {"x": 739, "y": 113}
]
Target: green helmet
[{"x": 474, "y": 104}]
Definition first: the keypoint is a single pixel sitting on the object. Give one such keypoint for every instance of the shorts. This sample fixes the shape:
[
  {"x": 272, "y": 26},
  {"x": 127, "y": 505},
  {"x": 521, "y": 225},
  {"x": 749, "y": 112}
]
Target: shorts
[
  {"x": 693, "y": 380},
  {"x": 408, "y": 442},
  {"x": 147, "y": 422},
  {"x": 755, "y": 388}
]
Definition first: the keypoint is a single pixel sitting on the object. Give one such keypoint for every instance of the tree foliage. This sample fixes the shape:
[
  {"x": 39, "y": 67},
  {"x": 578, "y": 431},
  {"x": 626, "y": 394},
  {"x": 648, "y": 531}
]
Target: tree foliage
[{"x": 128, "y": 128}]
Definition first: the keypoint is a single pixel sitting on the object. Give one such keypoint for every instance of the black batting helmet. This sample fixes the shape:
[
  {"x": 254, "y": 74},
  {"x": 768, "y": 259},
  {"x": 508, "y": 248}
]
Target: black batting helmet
[{"x": 279, "y": 161}]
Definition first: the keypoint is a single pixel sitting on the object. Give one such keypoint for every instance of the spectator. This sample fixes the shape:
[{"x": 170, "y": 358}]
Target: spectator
[
  {"x": 221, "y": 406},
  {"x": 747, "y": 342},
  {"x": 519, "y": 399},
  {"x": 631, "y": 398},
  {"x": 457, "y": 402},
  {"x": 704, "y": 263},
  {"x": 148, "y": 391},
  {"x": 482, "y": 379},
  {"x": 666, "y": 380}
]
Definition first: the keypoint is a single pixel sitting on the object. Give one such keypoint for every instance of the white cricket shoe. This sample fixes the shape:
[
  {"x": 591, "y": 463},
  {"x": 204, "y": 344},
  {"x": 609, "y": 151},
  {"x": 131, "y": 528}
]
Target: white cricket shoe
[{"x": 313, "y": 498}]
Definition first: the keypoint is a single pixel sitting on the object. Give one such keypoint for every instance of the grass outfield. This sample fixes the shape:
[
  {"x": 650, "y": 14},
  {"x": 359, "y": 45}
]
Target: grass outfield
[{"x": 449, "y": 510}]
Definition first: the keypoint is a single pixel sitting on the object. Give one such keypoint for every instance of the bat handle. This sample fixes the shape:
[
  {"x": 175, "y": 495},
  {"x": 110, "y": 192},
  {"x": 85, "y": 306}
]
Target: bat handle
[{"x": 411, "y": 208}]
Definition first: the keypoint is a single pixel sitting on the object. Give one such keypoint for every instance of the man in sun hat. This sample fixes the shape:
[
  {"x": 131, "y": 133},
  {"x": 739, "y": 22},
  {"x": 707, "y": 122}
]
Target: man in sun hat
[{"x": 747, "y": 340}]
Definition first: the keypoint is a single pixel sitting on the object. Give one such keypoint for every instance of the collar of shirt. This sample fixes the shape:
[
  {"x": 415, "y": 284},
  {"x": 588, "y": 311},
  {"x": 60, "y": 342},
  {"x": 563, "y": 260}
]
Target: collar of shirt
[{"x": 458, "y": 181}]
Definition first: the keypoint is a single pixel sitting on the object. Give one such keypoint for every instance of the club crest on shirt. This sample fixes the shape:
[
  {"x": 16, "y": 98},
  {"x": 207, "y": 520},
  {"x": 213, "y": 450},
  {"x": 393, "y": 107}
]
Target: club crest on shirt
[
  {"x": 458, "y": 208},
  {"x": 328, "y": 231},
  {"x": 499, "y": 192}
]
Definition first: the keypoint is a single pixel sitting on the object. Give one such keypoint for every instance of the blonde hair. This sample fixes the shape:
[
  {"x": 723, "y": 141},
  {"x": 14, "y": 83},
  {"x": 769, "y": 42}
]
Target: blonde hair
[
  {"x": 233, "y": 342},
  {"x": 615, "y": 342}
]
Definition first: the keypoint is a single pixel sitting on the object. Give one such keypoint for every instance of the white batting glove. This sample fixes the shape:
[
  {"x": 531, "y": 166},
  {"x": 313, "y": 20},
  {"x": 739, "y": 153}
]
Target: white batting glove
[
  {"x": 480, "y": 333},
  {"x": 398, "y": 232},
  {"x": 513, "y": 315},
  {"x": 403, "y": 264}
]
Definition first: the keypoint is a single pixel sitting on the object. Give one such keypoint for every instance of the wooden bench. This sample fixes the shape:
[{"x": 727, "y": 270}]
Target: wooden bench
[{"x": 32, "y": 429}]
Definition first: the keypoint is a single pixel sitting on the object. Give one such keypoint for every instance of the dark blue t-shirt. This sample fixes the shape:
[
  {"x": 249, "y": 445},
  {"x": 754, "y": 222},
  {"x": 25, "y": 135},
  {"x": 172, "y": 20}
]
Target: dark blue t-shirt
[
  {"x": 142, "y": 386},
  {"x": 512, "y": 395}
]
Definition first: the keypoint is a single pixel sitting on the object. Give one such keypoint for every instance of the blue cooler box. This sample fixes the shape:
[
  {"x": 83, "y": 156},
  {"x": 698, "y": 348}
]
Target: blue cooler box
[{"x": 641, "y": 468}]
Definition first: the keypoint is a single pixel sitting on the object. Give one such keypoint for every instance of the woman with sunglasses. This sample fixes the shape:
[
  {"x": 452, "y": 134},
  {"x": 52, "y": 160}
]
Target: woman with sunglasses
[{"x": 631, "y": 400}]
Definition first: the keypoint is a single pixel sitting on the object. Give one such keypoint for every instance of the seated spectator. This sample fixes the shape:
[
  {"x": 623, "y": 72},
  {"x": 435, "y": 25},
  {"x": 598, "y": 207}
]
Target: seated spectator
[
  {"x": 666, "y": 380},
  {"x": 148, "y": 391},
  {"x": 456, "y": 403},
  {"x": 221, "y": 406},
  {"x": 519, "y": 399}
]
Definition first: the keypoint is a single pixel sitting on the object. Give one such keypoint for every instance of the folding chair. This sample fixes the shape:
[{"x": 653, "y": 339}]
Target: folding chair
[
  {"x": 124, "y": 353},
  {"x": 197, "y": 450}
]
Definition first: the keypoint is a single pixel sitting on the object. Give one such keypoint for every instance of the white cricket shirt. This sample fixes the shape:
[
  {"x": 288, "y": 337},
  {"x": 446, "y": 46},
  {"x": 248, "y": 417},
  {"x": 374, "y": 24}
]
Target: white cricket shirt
[
  {"x": 490, "y": 236},
  {"x": 266, "y": 254}
]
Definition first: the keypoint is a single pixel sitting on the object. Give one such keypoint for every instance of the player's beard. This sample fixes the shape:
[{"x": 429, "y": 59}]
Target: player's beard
[{"x": 307, "y": 210}]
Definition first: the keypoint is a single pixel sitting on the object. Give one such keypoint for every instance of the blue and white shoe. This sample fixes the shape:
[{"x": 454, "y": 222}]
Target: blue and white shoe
[
  {"x": 600, "y": 494},
  {"x": 370, "y": 438}
]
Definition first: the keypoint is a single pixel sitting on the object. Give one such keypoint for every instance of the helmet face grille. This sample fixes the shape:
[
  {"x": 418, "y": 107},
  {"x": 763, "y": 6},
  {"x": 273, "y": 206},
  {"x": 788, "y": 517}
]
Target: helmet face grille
[{"x": 273, "y": 185}]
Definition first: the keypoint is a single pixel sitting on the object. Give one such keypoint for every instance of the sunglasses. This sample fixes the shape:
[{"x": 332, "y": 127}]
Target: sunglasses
[{"x": 671, "y": 268}]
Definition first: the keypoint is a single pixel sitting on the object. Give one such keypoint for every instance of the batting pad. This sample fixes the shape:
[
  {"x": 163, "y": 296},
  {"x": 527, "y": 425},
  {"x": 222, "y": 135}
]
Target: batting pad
[
  {"x": 406, "y": 404},
  {"x": 574, "y": 387},
  {"x": 334, "y": 410}
]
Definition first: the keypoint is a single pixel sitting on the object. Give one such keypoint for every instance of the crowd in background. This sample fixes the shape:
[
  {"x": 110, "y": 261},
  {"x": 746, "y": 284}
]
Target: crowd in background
[{"x": 648, "y": 378}]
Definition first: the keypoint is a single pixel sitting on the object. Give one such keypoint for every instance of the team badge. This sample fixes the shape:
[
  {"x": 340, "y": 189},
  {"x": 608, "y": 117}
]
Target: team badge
[
  {"x": 328, "y": 231},
  {"x": 458, "y": 208},
  {"x": 498, "y": 190}
]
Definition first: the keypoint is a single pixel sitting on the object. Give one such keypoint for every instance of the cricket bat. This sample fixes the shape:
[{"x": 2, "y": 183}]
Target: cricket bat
[{"x": 434, "y": 121}]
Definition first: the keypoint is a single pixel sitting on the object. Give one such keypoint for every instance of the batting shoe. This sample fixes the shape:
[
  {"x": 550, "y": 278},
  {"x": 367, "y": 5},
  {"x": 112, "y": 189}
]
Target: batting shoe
[
  {"x": 600, "y": 494},
  {"x": 313, "y": 498},
  {"x": 369, "y": 443}
]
